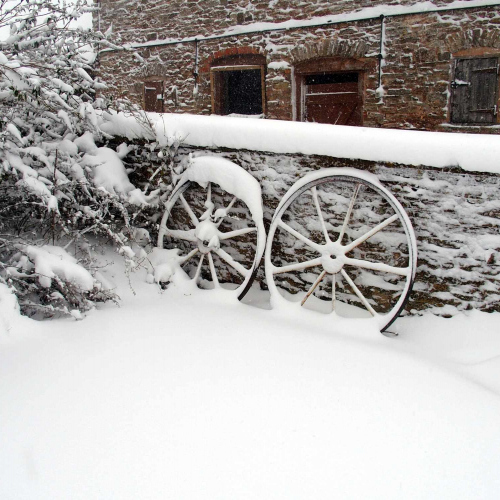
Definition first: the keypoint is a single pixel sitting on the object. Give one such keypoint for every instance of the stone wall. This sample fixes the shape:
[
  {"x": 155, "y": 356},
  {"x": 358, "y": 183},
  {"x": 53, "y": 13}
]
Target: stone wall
[
  {"x": 145, "y": 20},
  {"x": 417, "y": 66},
  {"x": 455, "y": 214}
]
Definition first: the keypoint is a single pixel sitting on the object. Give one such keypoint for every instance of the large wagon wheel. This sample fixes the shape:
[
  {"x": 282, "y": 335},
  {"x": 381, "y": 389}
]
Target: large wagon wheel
[
  {"x": 341, "y": 243},
  {"x": 215, "y": 203}
]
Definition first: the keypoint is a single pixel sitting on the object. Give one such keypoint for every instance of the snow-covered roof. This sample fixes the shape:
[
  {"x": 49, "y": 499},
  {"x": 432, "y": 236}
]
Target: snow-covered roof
[{"x": 472, "y": 152}]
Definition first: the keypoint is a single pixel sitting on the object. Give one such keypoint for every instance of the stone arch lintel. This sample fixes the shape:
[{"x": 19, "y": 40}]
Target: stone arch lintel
[{"x": 329, "y": 48}]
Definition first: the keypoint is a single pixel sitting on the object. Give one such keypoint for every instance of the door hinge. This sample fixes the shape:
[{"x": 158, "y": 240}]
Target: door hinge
[{"x": 459, "y": 83}]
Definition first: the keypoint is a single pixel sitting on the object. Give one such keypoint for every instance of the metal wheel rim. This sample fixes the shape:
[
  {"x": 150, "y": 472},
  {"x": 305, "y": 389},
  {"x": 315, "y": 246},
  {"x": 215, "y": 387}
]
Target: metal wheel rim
[
  {"x": 250, "y": 273},
  {"x": 329, "y": 176}
]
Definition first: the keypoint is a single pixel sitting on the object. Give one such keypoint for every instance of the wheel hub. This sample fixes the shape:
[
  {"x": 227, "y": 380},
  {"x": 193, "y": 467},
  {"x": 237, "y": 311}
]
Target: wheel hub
[
  {"x": 333, "y": 259},
  {"x": 207, "y": 235},
  {"x": 332, "y": 264}
]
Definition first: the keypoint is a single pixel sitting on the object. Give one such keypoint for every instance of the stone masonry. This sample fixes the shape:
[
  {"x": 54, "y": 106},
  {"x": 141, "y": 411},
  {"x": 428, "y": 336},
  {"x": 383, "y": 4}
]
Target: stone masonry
[
  {"x": 455, "y": 215},
  {"x": 416, "y": 55}
]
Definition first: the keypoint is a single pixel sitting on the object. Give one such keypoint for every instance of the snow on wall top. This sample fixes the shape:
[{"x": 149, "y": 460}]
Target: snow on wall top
[
  {"x": 473, "y": 152},
  {"x": 365, "y": 13}
]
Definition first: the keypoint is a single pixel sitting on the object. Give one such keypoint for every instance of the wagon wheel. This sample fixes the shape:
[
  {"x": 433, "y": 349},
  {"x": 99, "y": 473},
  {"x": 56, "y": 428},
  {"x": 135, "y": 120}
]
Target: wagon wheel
[
  {"x": 341, "y": 243},
  {"x": 214, "y": 218}
]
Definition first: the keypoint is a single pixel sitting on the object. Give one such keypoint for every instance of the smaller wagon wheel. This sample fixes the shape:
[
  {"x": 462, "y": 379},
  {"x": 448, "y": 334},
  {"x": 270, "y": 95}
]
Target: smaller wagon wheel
[
  {"x": 214, "y": 218},
  {"x": 341, "y": 243}
]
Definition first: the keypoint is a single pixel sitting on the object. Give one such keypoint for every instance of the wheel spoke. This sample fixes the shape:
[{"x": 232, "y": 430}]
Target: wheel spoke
[
  {"x": 378, "y": 266},
  {"x": 209, "y": 203},
  {"x": 188, "y": 256},
  {"x": 298, "y": 266},
  {"x": 320, "y": 215},
  {"x": 313, "y": 287},
  {"x": 334, "y": 279},
  {"x": 180, "y": 234},
  {"x": 235, "y": 265},
  {"x": 188, "y": 209},
  {"x": 226, "y": 210},
  {"x": 357, "y": 291},
  {"x": 300, "y": 237},
  {"x": 236, "y": 232},
  {"x": 233, "y": 201},
  {"x": 198, "y": 269},
  {"x": 349, "y": 212},
  {"x": 370, "y": 233},
  {"x": 212, "y": 270}
]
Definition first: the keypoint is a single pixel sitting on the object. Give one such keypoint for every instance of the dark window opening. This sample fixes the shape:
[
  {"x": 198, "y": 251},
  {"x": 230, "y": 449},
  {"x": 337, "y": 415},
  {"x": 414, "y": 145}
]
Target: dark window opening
[
  {"x": 239, "y": 92},
  {"x": 474, "y": 91}
]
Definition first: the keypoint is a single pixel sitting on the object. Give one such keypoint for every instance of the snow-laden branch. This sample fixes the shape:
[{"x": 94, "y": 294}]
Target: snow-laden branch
[{"x": 58, "y": 185}]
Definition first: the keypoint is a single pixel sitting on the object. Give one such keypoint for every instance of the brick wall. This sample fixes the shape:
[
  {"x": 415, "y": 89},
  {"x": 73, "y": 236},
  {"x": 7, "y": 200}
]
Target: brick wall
[{"x": 419, "y": 53}]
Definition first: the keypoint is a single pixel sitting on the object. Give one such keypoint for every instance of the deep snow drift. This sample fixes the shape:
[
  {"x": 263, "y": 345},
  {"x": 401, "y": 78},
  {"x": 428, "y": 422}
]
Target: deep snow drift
[{"x": 191, "y": 394}]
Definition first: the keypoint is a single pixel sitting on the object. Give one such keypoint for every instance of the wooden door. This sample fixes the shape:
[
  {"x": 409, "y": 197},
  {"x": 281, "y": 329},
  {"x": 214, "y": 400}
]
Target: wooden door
[
  {"x": 332, "y": 98},
  {"x": 474, "y": 91},
  {"x": 153, "y": 96}
]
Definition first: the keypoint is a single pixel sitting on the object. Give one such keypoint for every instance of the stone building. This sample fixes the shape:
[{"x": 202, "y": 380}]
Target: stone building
[{"x": 377, "y": 63}]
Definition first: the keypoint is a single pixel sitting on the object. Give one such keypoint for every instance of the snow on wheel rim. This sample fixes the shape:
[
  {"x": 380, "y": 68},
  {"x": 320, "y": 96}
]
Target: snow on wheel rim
[
  {"x": 340, "y": 242},
  {"x": 200, "y": 198}
]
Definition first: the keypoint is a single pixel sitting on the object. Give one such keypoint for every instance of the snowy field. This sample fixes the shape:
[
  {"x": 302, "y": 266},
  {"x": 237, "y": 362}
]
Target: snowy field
[{"x": 192, "y": 395}]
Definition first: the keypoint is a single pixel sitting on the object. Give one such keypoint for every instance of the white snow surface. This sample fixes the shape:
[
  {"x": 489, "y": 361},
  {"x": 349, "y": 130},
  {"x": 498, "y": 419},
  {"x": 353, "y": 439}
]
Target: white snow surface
[
  {"x": 9, "y": 312},
  {"x": 189, "y": 394},
  {"x": 472, "y": 152}
]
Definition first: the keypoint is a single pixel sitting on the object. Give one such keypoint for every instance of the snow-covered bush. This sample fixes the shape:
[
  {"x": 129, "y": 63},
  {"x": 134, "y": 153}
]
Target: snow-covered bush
[{"x": 56, "y": 185}]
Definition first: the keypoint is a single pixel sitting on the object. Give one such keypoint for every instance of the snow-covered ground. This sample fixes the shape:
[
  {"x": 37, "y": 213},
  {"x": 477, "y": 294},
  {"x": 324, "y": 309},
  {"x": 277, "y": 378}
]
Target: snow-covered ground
[{"x": 191, "y": 394}]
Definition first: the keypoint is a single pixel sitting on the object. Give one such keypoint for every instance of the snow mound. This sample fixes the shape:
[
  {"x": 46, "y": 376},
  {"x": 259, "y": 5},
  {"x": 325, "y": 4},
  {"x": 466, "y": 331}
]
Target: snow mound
[
  {"x": 52, "y": 261},
  {"x": 109, "y": 171},
  {"x": 474, "y": 152},
  {"x": 165, "y": 264}
]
